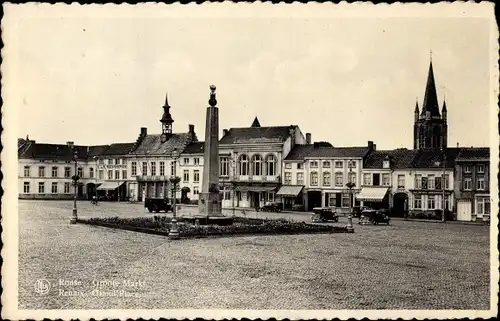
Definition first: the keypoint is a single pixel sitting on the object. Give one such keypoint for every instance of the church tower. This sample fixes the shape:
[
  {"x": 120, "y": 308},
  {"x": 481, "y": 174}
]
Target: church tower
[
  {"x": 430, "y": 129},
  {"x": 166, "y": 120}
]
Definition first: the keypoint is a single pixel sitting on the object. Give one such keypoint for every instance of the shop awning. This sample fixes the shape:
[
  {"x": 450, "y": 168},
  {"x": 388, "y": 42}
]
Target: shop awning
[
  {"x": 290, "y": 191},
  {"x": 109, "y": 186},
  {"x": 254, "y": 188},
  {"x": 372, "y": 194}
]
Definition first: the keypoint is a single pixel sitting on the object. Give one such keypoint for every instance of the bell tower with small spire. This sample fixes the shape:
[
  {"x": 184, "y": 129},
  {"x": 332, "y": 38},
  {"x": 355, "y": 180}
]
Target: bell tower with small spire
[
  {"x": 430, "y": 129},
  {"x": 166, "y": 120}
]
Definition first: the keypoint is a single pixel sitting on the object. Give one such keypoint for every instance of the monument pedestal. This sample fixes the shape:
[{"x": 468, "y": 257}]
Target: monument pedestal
[{"x": 210, "y": 205}]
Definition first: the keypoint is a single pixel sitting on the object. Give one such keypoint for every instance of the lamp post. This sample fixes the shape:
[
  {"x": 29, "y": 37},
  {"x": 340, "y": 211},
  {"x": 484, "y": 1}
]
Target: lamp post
[
  {"x": 74, "y": 215},
  {"x": 233, "y": 187},
  {"x": 350, "y": 185},
  {"x": 174, "y": 231},
  {"x": 443, "y": 185}
]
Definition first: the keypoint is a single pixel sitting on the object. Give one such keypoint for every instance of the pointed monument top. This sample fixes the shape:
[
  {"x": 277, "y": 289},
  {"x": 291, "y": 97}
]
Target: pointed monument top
[
  {"x": 167, "y": 117},
  {"x": 416, "y": 106},
  {"x": 430, "y": 99},
  {"x": 256, "y": 122},
  {"x": 212, "y": 102}
]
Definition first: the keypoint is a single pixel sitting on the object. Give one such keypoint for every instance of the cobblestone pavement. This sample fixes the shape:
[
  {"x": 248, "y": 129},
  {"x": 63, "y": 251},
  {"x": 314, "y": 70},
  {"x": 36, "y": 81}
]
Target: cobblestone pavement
[{"x": 408, "y": 265}]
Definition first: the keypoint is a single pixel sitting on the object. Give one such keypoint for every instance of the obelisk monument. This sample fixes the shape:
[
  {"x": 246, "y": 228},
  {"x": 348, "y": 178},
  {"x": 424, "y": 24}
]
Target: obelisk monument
[{"x": 209, "y": 199}]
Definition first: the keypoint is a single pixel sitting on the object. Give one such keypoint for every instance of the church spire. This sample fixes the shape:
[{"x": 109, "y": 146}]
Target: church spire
[
  {"x": 430, "y": 103},
  {"x": 166, "y": 120},
  {"x": 255, "y": 122}
]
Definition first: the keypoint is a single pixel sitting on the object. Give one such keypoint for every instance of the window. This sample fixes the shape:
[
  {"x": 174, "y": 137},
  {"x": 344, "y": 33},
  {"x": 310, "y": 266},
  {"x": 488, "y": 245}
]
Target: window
[
  {"x": 66, "y": 188},
  {"x": 244, "y": 168},
  {"x": 54, "y": 171},
  {"x": 446, "y": 181},
  {"x": 352, "y": 164},
  {"x": 26, "y": 171},
  {"x": 41, "y": 188},
  {"x": 134, "y": 168},
  {"x": 91, "y": 172},
  {"x": 117, "y": 161},
  {"x": 352, "y": 178},
  {"x": 339, "y": 164},
  {"x": 196, "y": 190},
  {"x": 430, "y": 181},
  {"x": 483, "y": 206},
  {"x": 480, "y": 184},
  {"x": 144, "y": 168},
  {"x": 300, "y": 165},
  {"x": 117, "y": 174},
  {"x": 110, "y": 162},
  {"x": 386, "y": 164},
  {"x": 467, "y": 184},
  {"x": 271, "y": 165},
  {"x": 153, "y": 168},
  {"x": 431, "y": 202},
  {"x": 196, "y": 176},
  {"x": 385, "y": 179},
  {"x": 110, "y": 174},
  {"x": 288, "y": 178},
  {"x": 80, "y": 172},
  {"x": 417, "y": 202},
  {"x": 162, "y": 168},
  {"x": 418, "y": 181},
  {"x": 196, "y": 161},
  {"x": 438, "y": 183},
  {"x": 300, "y": 178},
  {"x": 480, "y": 169},
  {"x": 101, "y": 174},
  {"x": 186, "y": 161},
  {"x": 224, "y": 166},
  {"x": 26, "y": 187},
  {"x": 401, "y": 181},
  {"x": 424, "y": 182},
  {"x": 172, "y": 168},
  {"x": 186, "y": 175},
  {"x": 367, "y": 179},
  {"x": 124, "y": 161},
  {"x": 376, "y": 179},
  {"x": 314, "y": 178},
  {"x": 339, "y": 179},
  {"x": 326, "y": 164},
  {"x": 257, "y": 165},
  {"x": 54, "y": 188},
  {"x": 41, "y": 171},
  {"x": 288, "y": 165},
  {"x": 124, "y": 174},
  {"x": 314, "y": 164},
  {"x": 326, "y": 179},
  {"x": 346, "y": 200},
  {"x": 101, "y": 161},
  {"x": 467, "y": 169}
]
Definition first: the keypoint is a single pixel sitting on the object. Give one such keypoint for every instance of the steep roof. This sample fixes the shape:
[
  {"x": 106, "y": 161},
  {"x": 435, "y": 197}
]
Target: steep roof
[
  {"x": 301, "y": 152},
  {"x": 194, "y": 148},
  {"x": 21, "y": 142},
  {"x": 97, "y": 150},
  {"x": 432, "y": 158},
  {"x": 52, "y": 151},
  {"x": 430, "y": 99},
  {"x": 256, "y": 122},
  {"x": 152, "y": 145},
  {"x": 400, "y": 158},
  {"x": 255, "y": 135},
  {"x": 473, "y": 153},
  {"x": 118, "y": 149}
]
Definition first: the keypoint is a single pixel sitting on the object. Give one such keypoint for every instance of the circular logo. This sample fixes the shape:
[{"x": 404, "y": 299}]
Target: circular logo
[{"x": 42, "y": 286}]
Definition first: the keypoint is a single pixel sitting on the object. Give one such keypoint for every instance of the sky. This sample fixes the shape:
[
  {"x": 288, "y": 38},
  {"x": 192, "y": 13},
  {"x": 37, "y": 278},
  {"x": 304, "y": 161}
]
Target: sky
[{"x": 96, "y": 79}]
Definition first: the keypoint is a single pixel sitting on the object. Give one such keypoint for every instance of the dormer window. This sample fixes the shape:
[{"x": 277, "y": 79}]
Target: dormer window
[
  {"x": 326, "y": 164},
  {"x": 314, "y": 164},
  {"x": 386, "y": 164}
]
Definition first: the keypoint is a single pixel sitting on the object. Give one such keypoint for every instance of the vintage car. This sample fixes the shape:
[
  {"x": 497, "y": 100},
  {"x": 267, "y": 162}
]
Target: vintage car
[
  {"x": 369, "y": 216},
  {"x": 157, "y": 204},
  {"x": 270, "y": 207},
  {"x": 324, "y": 214}
]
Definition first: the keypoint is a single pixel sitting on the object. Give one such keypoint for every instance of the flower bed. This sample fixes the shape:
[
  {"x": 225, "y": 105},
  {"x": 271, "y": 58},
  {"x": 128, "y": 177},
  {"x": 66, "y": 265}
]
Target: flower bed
[{"x": 160, "y": 225}]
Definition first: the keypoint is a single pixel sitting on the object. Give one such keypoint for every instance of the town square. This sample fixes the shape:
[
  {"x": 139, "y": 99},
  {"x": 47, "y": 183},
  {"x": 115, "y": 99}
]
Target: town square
[{"x": 259, "y": 162}]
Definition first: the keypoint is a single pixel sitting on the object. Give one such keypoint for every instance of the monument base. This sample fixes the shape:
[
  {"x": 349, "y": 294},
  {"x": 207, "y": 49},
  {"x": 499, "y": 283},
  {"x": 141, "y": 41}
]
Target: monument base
[{"x": 210, "y": 205}]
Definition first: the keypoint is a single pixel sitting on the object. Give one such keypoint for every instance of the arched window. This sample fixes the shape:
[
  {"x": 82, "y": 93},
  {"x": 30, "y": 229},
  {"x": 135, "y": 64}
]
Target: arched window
[
  {"x": 257, "y": 165},
  {"x": 244, "y": 168},
  {"x": 270, "y": 165}
]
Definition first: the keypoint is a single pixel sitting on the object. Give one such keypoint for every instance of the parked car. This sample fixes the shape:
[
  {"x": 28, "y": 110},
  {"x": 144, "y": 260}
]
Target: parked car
[
  {"x": 324, "y": 214},
  {"x": 157, "y": 204},
  {"x": 270, "y": 207},
  {"x": 370, "y": 216}
]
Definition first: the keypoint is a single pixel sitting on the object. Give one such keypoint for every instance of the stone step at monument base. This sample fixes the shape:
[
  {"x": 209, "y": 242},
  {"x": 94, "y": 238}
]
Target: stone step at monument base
[{"x": 210, "y": 220}]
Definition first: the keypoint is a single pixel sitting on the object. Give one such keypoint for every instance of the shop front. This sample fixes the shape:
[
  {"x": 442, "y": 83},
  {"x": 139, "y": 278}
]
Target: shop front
[
  {"x": 112, "y": 191},
  {"x": 254, "y": 196},
  {"x": 290, "y": 196},
  {"x": 374, "y": 197}
]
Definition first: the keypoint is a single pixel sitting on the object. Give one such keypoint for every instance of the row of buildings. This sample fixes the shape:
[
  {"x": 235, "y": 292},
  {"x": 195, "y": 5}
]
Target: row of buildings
[{"x": 260, "y": 164}]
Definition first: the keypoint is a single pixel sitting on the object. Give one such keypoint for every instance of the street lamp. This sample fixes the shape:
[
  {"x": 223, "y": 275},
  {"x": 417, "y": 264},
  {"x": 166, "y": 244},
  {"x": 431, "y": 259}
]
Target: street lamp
[
  {"x": 350, "y": 185},
  {"x": 443, "y": 185},
  {"x": 174, "y": 231},
  {"x": 233, "y": 186},
  {"x": 74, "y": 216}
]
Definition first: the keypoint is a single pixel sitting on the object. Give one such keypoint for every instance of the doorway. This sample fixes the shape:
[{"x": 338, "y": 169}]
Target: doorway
[{"x": 400, "y": 205}]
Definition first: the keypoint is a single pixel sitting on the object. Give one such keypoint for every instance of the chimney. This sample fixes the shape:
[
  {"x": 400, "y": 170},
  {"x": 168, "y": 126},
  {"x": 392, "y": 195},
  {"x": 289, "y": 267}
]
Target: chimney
[
  {"x": 458, "y": 145},
  {"x": 144, "y": 131},
  {"x": 308, "y": 138},
  {"x": 70, "y": 144},
  {"x": 371, "y": 145},
  {"x": 224, "y": 132},
  {"x": 191, "y": 128}
]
